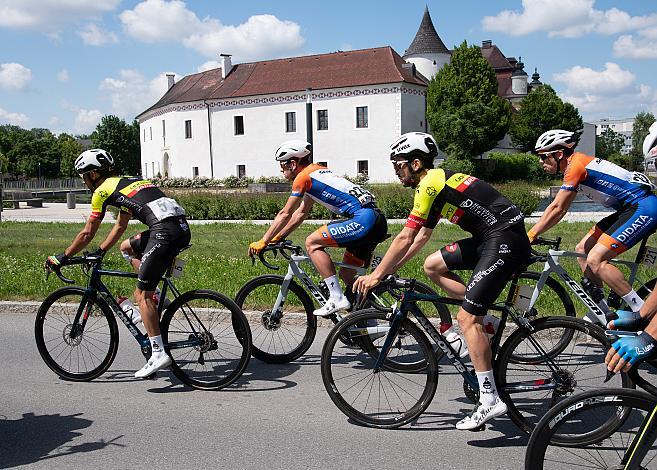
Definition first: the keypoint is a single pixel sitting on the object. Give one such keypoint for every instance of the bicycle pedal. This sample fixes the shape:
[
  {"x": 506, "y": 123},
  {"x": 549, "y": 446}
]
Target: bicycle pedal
[{"x": 479, "y": 429}]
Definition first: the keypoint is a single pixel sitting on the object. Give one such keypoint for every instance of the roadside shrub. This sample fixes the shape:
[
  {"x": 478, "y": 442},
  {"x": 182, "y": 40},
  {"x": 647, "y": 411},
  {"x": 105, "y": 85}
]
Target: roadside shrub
[
  {"x": 522, "y": 194},
  {"x": 502, "y": 167},
  {"x": 459, "y": 165}
]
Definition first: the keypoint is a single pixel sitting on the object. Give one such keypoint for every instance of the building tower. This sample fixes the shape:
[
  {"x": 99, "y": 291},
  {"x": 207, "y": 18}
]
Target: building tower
[{"x": 427, "y": 51}]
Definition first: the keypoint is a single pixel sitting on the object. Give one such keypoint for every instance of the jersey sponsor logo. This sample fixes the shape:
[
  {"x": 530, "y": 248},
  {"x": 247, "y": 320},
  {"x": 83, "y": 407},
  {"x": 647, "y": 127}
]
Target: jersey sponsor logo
[
  {"x": 482, "y": 274},
  {"x": 346, "y": 228},
  {"x": 325, "y": 235},
  {"x": 480, "y": 211},
  {"x": 504, "y": 248},
  {"x": 104, "y": 194},
  {"x": 451, "y": 213},
  {"x": 452, "y": 247},
  {"x": 638, "y": 224},
  {"x": 640, "y": 351},
  {"x": 431, "y": 191},
  {"x": 460, "y": 181},
  {"x": 515, "y": 219},
  {"x": 414, "y": 222}
]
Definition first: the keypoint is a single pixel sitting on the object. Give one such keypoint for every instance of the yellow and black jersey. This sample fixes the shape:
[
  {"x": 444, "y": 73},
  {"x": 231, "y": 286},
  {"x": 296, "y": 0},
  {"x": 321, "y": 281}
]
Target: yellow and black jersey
[
  {"x": 464, "y": 200},
  {"x": 139, "y": 198}
]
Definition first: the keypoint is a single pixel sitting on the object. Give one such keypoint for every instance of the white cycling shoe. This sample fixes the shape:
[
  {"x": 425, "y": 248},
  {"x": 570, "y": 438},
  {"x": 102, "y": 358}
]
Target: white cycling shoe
[
  {"x": 158, "y": 361},
  {"x": 482, "y": 415},
  {"x": 333, "y": 305}
]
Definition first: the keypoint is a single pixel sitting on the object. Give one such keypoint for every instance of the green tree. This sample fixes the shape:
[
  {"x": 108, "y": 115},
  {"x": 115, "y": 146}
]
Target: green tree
[
  {"x": 608, "y": 143},
  {"x": 466, "y": 115},
  {"x": 541, "y": 111},
  {"x": 642, "y": 123},
  {"x": 121, "y": 140},
  {"x": 69, "y": 149}
]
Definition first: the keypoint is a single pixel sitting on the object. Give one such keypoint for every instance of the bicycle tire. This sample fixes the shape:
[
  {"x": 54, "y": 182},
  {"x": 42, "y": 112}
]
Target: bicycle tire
[
  {"x": 224, "y": 332},
  {"x": 407, "y": 395},
  {"x": 85, "y": 357},
  {"x": 278, "y": 344},
  {"x": 579, "y": 366},
  {"x": 583, "y": 414},
  {"x": 646, "y": 288}
]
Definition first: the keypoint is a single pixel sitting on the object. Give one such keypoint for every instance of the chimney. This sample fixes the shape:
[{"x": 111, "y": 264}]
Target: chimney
[
  {"x": 485, "y": 44},
  {"x": 226, "y": 65},
  {"x": 170, "y": 80}
]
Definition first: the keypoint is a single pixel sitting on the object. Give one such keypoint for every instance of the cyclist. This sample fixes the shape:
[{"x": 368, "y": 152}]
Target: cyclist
[
  {"x": 629, "y": 350},
  {"x": 628, "y": 193},
  {"x": 361, "y": 229},
  {"x": 167, "y": 233},
  {"x": 497, "y": 247}
]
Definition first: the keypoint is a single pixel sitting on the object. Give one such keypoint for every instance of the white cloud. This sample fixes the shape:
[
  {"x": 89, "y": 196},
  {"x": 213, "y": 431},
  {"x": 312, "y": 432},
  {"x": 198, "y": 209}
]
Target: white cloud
[
  {"x": 62, "y": 75},
  {"x": 14, "y": 76},
  {"x": 86, "y": 121},
  {"x": 17, "y": 119},
  {"x": 642, "y": 47},
  {"x": 261, "y": 36},
  {"x": 597, "y": 93},
  {"x": 50, "y": 16},
  {"x": 131, "y": 93},
  {"x": 93, "y": 35},
  {"x": 209, "y": 65},
  {"x": 566, "y": 18}
]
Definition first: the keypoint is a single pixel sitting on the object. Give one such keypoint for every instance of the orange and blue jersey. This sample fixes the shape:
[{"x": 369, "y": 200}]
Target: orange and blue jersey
[
  {"x": 604, "y": 182},
  {"x": 337, "y": 194}
]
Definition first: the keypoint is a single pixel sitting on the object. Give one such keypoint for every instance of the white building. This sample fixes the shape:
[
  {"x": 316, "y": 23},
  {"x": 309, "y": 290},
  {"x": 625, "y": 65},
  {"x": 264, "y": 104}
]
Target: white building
[
  {"x": 623, "y": 127},
  {"x": 350, "y": 105}
]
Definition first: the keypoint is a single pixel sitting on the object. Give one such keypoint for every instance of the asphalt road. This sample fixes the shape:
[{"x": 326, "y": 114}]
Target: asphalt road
[{"x": 273, "y": 417}]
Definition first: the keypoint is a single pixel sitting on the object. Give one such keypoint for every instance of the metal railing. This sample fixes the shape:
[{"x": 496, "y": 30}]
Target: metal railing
[{"x": 37, "y": 184}]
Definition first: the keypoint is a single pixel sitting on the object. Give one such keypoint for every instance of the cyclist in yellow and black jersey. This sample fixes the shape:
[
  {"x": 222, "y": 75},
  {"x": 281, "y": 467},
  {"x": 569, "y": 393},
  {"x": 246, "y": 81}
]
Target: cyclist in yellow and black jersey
[
  {"x": 497, "y": 247},
  {"x": 150, "y": 252}
]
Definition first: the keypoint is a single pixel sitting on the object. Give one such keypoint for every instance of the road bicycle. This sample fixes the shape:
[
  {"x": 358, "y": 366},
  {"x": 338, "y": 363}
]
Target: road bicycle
[
  {"x": 286, "y": 326},
  {"x": 205, "y": 333},
  {"x": 392, "y": 381},
  {"x": 599, "y": 429},
  {"x": 645, "y": 255}
]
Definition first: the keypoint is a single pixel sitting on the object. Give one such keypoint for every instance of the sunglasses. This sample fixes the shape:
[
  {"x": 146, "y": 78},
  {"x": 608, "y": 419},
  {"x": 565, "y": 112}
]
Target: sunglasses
[
  {"x": 398, "y": 164},
  {"x": 546, "y": 155}
]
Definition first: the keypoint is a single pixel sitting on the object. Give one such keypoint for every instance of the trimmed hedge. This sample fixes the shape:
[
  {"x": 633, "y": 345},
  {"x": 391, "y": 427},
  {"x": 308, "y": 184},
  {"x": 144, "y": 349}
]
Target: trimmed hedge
[
  {"x": 502, "y": 167},
  {"x": 394, "y": 200}
]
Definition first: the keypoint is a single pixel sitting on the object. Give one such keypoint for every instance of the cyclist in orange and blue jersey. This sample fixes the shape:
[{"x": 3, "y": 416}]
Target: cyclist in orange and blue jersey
[
  {"x": 629, "y": 193},
  {"x": 362, "y": 227}
]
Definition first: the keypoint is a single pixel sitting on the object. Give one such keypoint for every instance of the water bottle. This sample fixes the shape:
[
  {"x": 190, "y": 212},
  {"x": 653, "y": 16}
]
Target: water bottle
[
  {"x": 130, "y": 309},
  {"x": 454, "y": 339},
  {"x": 490, "y": 325}
]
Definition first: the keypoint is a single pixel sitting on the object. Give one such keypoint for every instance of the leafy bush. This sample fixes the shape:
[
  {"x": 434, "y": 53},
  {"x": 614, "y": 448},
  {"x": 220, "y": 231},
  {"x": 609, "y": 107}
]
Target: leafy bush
[
  {"x": 522, "y": 194},
  {"x": 459, "y": 165},
  {"x": 502, "y": 167}
]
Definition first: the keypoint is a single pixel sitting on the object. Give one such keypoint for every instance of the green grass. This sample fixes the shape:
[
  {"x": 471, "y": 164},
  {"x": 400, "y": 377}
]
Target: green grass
[{"x": 217, "y": 260}]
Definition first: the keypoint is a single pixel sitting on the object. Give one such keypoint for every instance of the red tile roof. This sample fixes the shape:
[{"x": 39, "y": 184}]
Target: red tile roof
[{"x": 324, "y": 71}]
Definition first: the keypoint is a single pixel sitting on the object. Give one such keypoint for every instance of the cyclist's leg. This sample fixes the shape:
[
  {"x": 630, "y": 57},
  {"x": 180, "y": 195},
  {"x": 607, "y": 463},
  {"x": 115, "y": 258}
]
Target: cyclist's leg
[
  {"x": 359, "y": 252},
  {"x": 133, "y": 248},
  {"x": 588, "y": 242},
  {"x": 463, "y": 254}
]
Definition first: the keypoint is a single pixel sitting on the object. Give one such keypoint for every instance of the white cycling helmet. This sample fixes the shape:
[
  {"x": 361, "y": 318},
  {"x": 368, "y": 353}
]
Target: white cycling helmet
[
  {"x": 292, "y": 149},
  {"x": 414, "y": 145},
  {"x": 650, "y": 142},
  {"x": 556, "y": 139},
  {"x": 93, "y": 159}
]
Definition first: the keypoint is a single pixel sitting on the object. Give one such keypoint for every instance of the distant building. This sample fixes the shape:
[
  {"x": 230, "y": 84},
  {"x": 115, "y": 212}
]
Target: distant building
[
  {"x": 229, "y": 120},
  {"x": 623, "y": 127}
]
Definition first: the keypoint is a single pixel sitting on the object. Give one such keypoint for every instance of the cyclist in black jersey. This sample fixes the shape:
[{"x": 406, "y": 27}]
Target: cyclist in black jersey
[
  {"x": 497, "y": 247},
  {"x": 150, "y": 252}
]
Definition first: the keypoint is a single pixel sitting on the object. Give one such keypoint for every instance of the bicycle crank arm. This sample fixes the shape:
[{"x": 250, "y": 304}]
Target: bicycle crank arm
[{"x": 531, "y": 385}]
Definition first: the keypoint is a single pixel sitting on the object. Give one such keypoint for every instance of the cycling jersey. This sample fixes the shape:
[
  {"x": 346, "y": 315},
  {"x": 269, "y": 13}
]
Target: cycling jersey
[
  {"x": 464, "y": 200},
  {"x": 337, "y": 194},
  {"x": 605, "y": 182},
  {"x": 137, "y": 197}
]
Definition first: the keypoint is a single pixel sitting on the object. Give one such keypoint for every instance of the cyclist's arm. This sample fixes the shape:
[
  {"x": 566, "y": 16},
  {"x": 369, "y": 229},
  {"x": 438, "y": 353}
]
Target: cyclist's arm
[
  {"x": 553, "y": 213},
  {"x": 117, "y": 231},
  {"x": 85, "y": 236},
  {"x": 282, "y": 218},
  {"x": 420, "y": 240},
  {"x": 297, "y": 218}
]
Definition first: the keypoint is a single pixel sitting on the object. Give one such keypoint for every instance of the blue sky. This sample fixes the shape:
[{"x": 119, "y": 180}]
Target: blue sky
[{"x": 66, "y": 63}]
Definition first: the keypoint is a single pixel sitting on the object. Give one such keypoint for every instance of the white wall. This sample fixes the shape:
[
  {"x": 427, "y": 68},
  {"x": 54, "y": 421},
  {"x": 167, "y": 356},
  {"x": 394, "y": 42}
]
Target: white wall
[{"x": 428, "y": 64}]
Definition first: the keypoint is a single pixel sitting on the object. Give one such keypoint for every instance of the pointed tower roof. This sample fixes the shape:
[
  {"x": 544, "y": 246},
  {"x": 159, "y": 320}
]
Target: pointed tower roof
[{"x": 427, "y": 39}]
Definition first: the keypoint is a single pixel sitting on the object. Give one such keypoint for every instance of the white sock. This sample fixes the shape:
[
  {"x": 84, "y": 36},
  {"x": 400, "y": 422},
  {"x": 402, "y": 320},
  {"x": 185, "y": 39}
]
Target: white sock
[
  {"x": 633, "y": 300},
  {"x": 333, "y": 284},
  {"x": 157, "y": 346},
  {"x": 487, "y": 389}
]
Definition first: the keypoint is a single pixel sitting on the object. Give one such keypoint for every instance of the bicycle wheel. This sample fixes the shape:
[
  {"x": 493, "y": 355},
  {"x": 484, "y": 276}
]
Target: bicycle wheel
[
  {"x": 543, "y": 377},
  {"x": 645, "y": 290},
  {"x": 208, "y": 338},
  {"x": 82, "y": 356},
  {"x": 590, "y": 413},
  {"x": 386, "y": 398},
  {"x": 277, "y": 341}
]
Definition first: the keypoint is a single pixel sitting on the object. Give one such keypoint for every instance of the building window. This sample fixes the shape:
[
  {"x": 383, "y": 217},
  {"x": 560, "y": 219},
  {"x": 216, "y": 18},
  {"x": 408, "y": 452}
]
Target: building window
[
  {"x": 322, "y": 119},
  {"x": 361, "y": 116},
  {"x": 151, "y": 131},
  {"x": 153, "y": 169},
  {"x": 144, "y": 135},
  {"x": 164, "y": 134},
  {"x": 188, "y": 129},
  {"x": 239, "y": 125},
  {"x": 241, "y": 171},
  {"x": 291, "y": 122},
  {"x": 194, "y": 171},
  {"x": 363, "y": 167},
  {"x": 145, "y": 166},
  {"x": 323, "y": 164}
]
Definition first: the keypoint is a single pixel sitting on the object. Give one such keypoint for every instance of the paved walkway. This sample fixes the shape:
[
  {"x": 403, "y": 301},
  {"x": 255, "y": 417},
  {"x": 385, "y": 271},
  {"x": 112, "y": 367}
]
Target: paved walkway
[{"x": 57, "y": 212}]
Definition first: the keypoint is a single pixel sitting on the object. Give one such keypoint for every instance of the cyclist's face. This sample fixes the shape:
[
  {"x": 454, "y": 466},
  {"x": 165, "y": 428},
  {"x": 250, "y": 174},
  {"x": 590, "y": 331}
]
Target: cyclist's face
[
  {"x": 288, "y": 169},
  {"x": 549, "y": 161},
  {"x": 404, "y": 172}
]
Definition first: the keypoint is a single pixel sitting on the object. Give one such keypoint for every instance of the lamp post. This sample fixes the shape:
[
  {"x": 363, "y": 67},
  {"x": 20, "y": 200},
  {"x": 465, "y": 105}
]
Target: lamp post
[{"x": 309, "y": 118}]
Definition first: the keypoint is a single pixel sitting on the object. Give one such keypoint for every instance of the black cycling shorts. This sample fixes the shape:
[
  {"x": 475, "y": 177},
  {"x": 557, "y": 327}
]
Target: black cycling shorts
[
  {"x": 157, "y": 247},
  {"x": 493, "y": 261}
]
